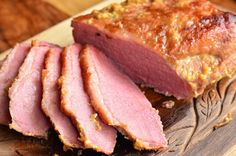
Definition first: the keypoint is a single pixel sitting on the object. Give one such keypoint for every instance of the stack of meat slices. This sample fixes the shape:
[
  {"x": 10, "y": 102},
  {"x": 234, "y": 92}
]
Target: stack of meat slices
[{"x": 80, "y": 93}]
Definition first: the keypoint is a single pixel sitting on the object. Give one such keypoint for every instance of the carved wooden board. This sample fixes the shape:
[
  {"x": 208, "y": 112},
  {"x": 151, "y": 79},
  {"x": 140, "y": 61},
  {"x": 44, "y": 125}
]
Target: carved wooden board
[{"x": 189, "y": 125}]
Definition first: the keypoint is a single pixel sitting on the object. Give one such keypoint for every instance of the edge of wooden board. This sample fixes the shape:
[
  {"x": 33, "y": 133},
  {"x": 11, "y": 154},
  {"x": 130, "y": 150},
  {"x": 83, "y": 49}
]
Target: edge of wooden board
[{"x": 61, "y": 33}]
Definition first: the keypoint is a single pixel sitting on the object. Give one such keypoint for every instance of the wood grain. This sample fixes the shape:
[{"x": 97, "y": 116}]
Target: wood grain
[
  {"x": 21, "y": 19},
  {"x": 229, "y": 4},
  {"x": 72, "y": 7}
]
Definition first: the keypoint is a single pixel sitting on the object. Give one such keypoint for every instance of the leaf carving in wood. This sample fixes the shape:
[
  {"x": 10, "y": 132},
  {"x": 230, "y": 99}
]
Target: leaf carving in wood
[
  {"x": 207, "y": 107},
  {"x": 212, "y": 107},
  {"x": 229, "y": 96},
  {"x": 219, "y": 142},
  {"x": 180, "y": 130}
]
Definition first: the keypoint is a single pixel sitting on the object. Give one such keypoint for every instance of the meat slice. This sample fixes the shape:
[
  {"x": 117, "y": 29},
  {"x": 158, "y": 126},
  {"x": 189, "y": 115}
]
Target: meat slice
[
  {"x": 119, "y": 101},
  {"x": 176, "y": 46},
  {"x": 26, "y": 94},
  {"x": 51, "y": 101},
  {"x": 75, "y": 103},
  {"x": 8, "y": 71}
]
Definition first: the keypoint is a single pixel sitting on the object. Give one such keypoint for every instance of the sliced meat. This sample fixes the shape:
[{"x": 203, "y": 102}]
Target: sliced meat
[
  {"x": 75, "y": 103},
  {"x": 51, "y": 101},
  {"x": 26, "y": 95},
  {"x": 176, "y": 46},
  {"x": 120, "y": 103},
  {"x": 8, "y": 71}
]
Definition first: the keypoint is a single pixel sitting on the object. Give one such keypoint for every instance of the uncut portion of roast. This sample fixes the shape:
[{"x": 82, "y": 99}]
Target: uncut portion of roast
[{"x": 177, "y": 47}]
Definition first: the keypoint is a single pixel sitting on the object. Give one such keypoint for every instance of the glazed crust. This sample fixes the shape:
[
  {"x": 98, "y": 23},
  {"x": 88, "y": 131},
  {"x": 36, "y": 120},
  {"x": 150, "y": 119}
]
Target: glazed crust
[
  {"x": 195, "y": 38},
  {"x": 174, "y": 28}
]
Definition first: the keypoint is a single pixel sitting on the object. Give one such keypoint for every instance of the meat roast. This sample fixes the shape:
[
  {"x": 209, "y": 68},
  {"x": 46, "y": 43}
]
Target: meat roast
[{"x": 177, "y": 47}]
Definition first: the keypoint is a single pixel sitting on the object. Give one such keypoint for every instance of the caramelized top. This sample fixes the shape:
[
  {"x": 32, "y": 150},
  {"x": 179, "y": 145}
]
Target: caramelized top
[
  {"x": 171, "y": 27},
  {"x": 189, "y": 34}
]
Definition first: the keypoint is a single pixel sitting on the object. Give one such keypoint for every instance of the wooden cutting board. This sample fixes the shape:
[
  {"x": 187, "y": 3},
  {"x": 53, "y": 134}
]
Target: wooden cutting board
[{"x": 189, "y": 125}]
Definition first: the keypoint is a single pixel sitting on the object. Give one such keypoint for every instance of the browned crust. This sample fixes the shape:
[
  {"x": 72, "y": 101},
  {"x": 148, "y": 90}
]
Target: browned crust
[
  {"x": 16, "y": 128},
  {"x": 163, "y": 17},
  {"x": 96, "y": 102},
  {"x": 177, "y": 32},
  {"x": 83, "y": 138},
  {"x": 34, "y": 43}
]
